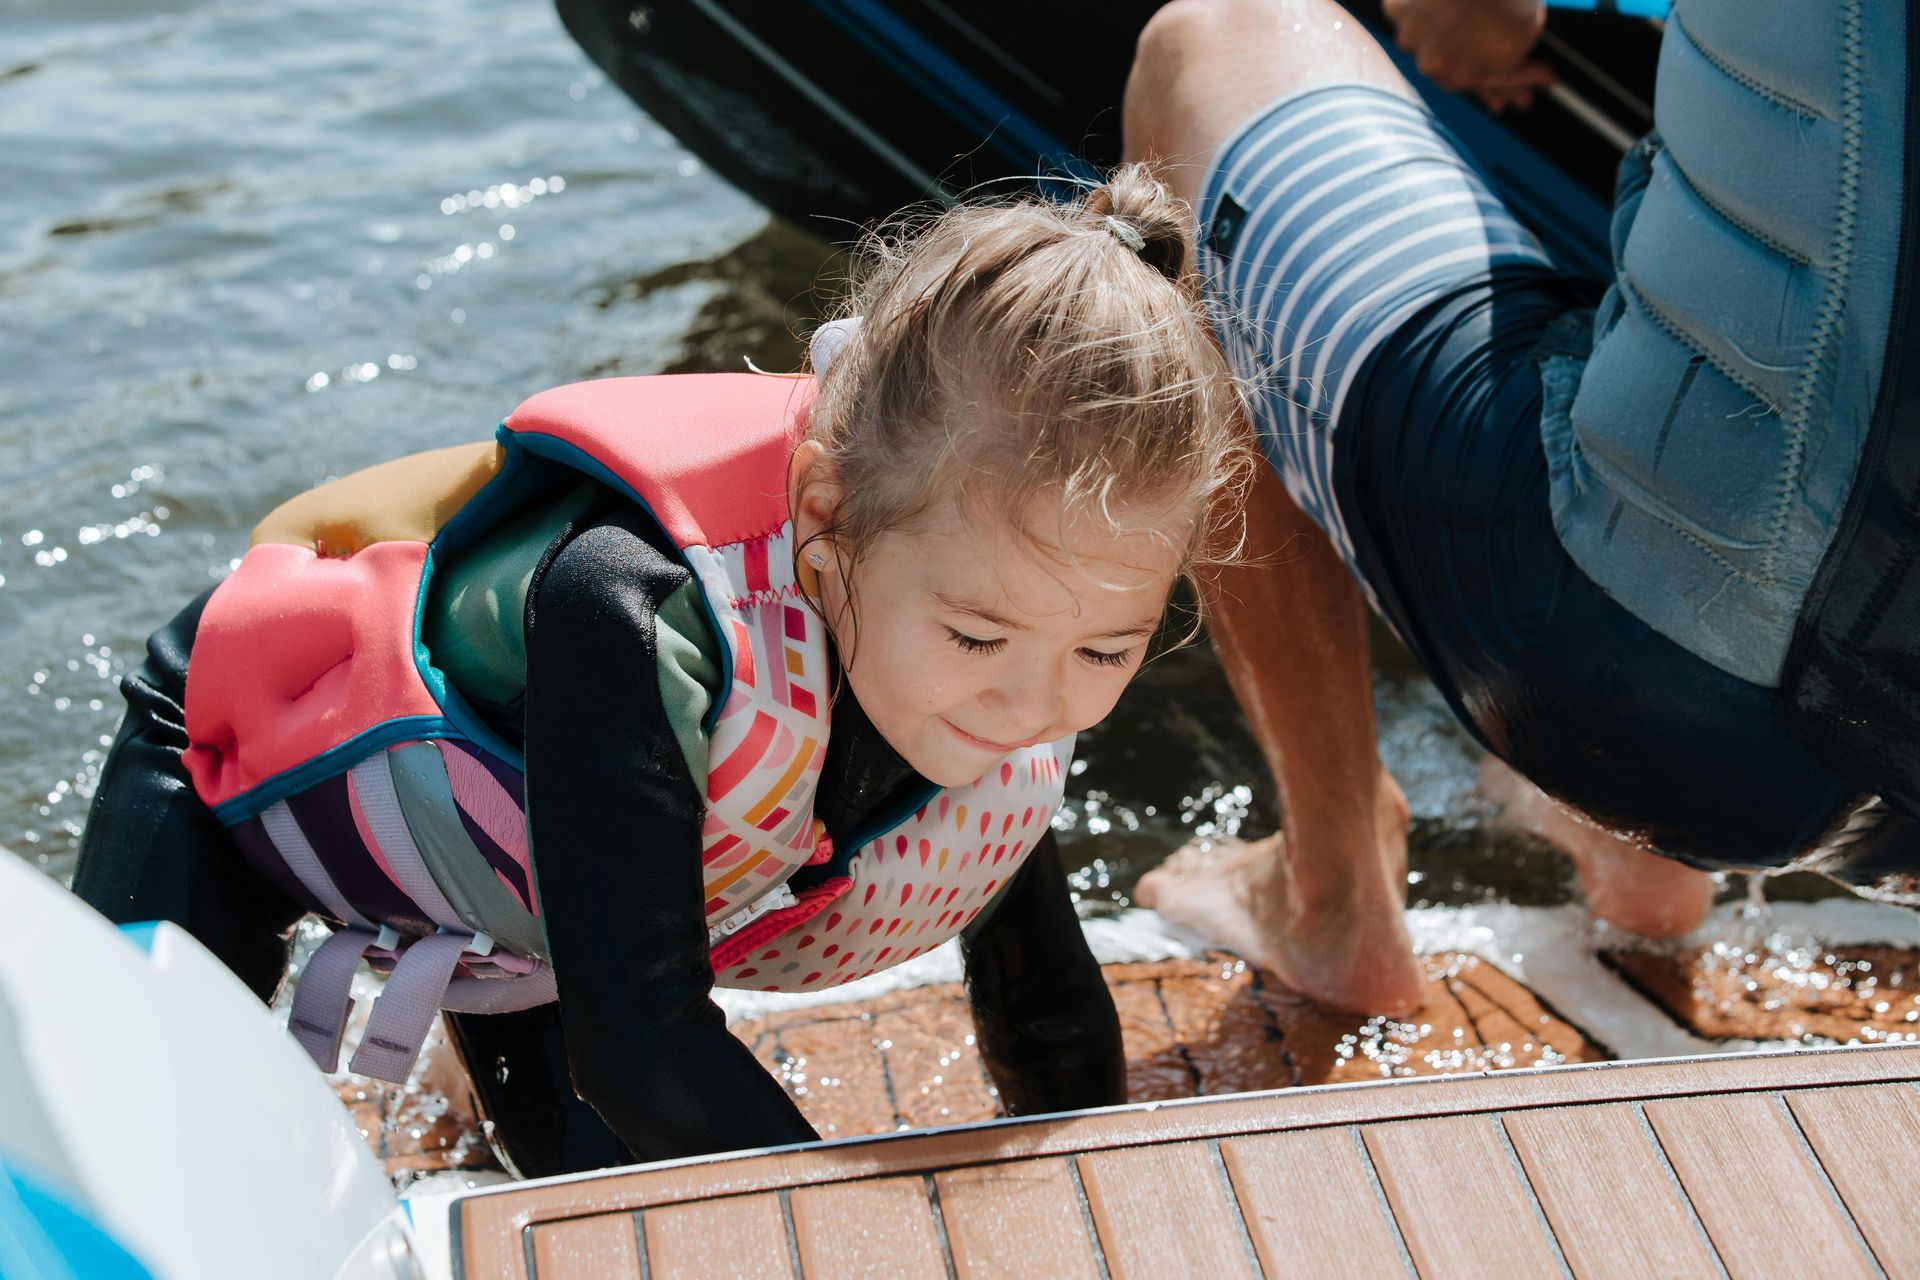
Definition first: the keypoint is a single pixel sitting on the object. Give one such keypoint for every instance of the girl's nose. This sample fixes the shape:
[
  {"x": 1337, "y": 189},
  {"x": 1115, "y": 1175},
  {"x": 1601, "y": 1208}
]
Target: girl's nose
[{"x": 1029, "y": 700}]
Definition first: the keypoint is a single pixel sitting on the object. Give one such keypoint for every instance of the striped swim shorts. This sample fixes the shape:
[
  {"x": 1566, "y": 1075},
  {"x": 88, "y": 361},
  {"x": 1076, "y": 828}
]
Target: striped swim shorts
[{"x": 1328, "y": 221}]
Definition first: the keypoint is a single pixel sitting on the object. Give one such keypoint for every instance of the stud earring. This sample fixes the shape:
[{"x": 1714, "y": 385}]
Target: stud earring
[{"x": 816, "y": 559}]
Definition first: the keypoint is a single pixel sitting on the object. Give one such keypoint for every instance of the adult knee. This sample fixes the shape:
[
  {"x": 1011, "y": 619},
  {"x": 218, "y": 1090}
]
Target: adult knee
[
  {"x": 1201, "y": 66},
  {"x": 1171, "y": 48},
  {"x": 1181, "y": 33}
]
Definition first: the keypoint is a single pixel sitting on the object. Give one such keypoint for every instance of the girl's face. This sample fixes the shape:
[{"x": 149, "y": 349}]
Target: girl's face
[{"x": 963, "y": 643}]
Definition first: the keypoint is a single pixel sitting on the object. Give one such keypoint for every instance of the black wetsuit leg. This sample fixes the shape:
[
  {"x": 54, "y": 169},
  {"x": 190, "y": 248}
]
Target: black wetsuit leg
[
  {"x": 153, "y": 851},
  {"x": 517, "y": 1063},
  {"x": 1047, "y": 1028}
]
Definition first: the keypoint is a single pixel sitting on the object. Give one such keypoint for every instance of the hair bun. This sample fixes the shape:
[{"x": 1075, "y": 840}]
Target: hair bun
[{"x": 1138, "y": 200}]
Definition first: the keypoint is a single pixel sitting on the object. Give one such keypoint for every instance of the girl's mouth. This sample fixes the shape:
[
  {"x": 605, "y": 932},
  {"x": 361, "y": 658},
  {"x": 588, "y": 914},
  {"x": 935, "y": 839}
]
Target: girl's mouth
[{"x": 986, "y": 744}]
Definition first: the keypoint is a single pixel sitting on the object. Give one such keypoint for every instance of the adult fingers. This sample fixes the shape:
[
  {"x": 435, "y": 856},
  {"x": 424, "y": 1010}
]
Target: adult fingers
[
  {"x": 1501, "y": 101},
  {"x": 1528, "y": 75},
  {"x": 1443, "y": 65},
  {"x": 1413, "y": 30}
]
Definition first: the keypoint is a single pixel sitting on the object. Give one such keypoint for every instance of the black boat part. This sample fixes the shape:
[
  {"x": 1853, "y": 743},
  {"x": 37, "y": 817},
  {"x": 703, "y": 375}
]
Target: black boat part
[{"x": 834, "y": 113}]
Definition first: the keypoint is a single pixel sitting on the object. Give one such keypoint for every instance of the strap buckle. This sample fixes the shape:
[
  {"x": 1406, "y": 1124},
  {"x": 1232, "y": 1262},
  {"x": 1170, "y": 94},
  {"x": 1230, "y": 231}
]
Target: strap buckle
[{"x": 480, "y": 944}]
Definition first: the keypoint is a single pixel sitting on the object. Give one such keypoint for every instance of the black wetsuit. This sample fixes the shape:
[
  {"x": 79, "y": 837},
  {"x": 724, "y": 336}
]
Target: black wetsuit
[{"x": 634, "y": 1061}]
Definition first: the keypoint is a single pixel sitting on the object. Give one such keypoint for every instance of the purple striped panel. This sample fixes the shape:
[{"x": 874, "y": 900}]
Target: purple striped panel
[
  {"x": 486, "y": 809},
  {"x": 326, "y": 818},
  {"x": 511, "y": 780}
]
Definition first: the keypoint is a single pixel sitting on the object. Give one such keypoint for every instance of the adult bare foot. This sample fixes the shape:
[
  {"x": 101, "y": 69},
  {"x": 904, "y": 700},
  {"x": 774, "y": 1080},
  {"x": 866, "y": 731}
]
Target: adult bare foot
[
  {"x": 1234, "y": 893},
  {"x": 1628, "y": 887}
]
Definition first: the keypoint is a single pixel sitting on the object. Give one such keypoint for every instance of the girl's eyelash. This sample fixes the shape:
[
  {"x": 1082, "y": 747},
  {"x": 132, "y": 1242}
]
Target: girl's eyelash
[
  {"x": 972, "y": 644},
  {"x": 1098, "y": 657}
]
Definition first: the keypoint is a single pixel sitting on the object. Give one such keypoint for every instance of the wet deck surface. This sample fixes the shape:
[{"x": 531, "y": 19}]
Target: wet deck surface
[
  {"x": 1208, "y": 1027},
  {"x": 1783, "y": 1165},
  {"x": 1192, "y": 1028},
  {"x": 1729, "y": 992},
  {"x": 906, "y": 1060}
]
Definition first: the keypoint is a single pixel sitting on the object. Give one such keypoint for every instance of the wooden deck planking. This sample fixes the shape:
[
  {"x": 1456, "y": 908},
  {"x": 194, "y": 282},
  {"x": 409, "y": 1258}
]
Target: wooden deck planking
[
  {"x": 1762, "y": 1200},
  {"x": 603, "y": 1246},
  {"x": 861, "y": 1099},
  {"x": 937, "y": 1076},
  {"x": 733, "y": 1236},
  {"x": 1866, "y": 1138},
  {"x": 1158, "y": 1067},
  {"x": 1607, "y": 1193},
  {"x": 1015, "y": 1220},
  {"x": 1164, "y": 1212},
  {"x": 1847, "y": 994},
  {"x": 881, "y": 1229},
  {"x": 911, "y": 1052},
  {"x": 1462, "y": 1207},
  {"x": 1232, "y": 1047},
  {"x": 1311, "y": 1206},
  {"x": 491, "y": 1225}
]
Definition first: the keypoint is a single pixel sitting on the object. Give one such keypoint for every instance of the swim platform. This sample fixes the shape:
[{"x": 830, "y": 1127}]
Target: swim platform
[{"x": 1758, "y": 1165}]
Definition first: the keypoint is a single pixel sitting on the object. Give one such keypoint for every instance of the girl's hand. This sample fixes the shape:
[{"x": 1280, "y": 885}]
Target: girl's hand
[
  {"x": 1042, "y": 1015},
  {"x": 1477, "y": 46}
]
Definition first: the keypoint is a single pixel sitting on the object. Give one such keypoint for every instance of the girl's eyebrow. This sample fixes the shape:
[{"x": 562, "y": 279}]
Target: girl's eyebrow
[{"x": 961, "y": 605}]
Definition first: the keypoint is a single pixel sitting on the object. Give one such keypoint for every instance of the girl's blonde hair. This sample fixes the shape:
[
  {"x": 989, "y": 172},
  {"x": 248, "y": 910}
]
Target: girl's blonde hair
[{"x": 1018, "y": 349}]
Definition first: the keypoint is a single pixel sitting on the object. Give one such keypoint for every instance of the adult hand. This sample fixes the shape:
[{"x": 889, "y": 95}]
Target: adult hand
[{"x": 1478, "y": 46}]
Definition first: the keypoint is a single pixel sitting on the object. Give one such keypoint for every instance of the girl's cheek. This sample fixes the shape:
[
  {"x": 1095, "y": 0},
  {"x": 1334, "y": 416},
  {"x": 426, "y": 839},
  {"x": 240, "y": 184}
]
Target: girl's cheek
[
  {"x": 1092, "y": 702},
  {"x": 927, "y": 693},
  {"x": 933, "y": 682}
]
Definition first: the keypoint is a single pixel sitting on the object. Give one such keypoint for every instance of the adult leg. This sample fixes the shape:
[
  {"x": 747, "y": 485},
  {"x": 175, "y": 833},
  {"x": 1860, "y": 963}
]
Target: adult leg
[
  {"x": 1627, "y": 887},
  {"x": 1203, "y": 69},
  {"x": 153, "y": 851},
  {"x": 1318, "y": 904}
]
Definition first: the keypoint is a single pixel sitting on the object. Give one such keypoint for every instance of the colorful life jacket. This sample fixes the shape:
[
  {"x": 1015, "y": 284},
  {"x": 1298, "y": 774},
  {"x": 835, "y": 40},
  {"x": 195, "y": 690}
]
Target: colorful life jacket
[{"x": 355, "y": 776}]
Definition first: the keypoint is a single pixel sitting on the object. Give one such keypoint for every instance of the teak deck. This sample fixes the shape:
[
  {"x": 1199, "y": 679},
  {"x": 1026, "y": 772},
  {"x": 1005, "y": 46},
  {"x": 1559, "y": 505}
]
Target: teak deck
[{"x": 1757, "y": 1166}]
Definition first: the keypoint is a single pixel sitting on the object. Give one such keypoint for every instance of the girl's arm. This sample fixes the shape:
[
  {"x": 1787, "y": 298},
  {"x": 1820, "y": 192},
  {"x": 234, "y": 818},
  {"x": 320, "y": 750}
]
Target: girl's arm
[
  {"x": 615, "y": 820},
  {"x": 1043, "y": 1016}
]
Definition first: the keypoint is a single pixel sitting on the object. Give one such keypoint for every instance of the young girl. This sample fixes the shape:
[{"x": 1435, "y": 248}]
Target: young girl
[{"x": 757, "y": 681}]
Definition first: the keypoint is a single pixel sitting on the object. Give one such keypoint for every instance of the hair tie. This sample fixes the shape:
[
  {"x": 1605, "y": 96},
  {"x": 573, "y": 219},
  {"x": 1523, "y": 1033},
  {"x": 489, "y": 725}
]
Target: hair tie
[
  {"x": 828, "y": 341},
  {"x": 1126, "y": 235}
]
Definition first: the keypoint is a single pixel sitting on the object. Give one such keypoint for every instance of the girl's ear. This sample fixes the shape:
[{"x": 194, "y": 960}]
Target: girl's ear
[{"x": 813, "y": 499}]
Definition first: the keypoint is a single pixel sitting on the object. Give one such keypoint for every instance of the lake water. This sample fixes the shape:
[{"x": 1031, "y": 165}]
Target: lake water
[{"x": 251, "y": 247}]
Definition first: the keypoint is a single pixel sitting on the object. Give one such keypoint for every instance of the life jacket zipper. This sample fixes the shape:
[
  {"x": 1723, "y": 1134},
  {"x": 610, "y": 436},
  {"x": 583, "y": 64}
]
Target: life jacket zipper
[{"x": 773, "y": 900}]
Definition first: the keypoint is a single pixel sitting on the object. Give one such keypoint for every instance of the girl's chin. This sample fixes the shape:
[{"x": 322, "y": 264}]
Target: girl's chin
[{"x": 949, "y": 770}]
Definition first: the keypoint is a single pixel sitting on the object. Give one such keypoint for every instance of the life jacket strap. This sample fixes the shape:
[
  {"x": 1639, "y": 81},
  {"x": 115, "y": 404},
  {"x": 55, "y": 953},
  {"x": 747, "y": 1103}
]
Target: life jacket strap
[
  {"x": 427, "y": 976},
  {"x": 404, "y": 1011},
  {"x": 324, "y": 996},
  {"x": 373, "y": 785},
  {"x": 298, "y": 853}
]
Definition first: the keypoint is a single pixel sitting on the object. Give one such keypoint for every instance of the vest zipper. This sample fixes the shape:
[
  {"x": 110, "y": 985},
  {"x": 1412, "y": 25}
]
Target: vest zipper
[{"x": 774, "y": 899}]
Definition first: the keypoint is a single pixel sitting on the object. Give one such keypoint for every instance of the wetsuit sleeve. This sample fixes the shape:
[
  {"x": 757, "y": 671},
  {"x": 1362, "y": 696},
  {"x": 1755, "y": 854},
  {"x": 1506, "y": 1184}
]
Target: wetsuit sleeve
[
  {"x": 614, "y": 818},
  {"x": 1044, "y": 1019}
]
